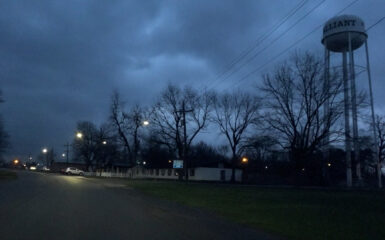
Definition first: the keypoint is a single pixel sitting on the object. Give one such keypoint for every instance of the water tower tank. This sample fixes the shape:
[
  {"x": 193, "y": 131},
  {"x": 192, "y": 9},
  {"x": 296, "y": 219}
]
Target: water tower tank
[{"x": 335, "y": 33}]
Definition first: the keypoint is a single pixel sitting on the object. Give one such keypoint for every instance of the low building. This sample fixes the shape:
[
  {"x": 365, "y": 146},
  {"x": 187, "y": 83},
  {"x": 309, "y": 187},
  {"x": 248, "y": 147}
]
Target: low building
[{"x": 218, "y": 174}]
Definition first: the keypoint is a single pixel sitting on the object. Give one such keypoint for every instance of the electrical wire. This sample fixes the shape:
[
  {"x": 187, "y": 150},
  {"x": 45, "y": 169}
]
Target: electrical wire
[
  {"x": 290, "y": 47},
  {"x": 274, "y": 40},
  {"x": 262, "y": 38}
]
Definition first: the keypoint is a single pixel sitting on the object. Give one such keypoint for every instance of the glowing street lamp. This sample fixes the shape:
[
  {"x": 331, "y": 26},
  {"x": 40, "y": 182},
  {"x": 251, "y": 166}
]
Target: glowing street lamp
[
  {"x": 104, "y": 142},
  {"x": 245, "y": 160},
  {"x": 63, "y": 155},
  {"x": 45, "y": 151},
  {"x": 79, "y": 135},
  {"x": 146, "y": 123},
  {"x": 16, "y": 161}
]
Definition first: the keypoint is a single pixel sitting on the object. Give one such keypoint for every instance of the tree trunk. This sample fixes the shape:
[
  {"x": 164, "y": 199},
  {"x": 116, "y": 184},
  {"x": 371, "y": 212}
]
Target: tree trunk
[{"x": 233, "y": 163}]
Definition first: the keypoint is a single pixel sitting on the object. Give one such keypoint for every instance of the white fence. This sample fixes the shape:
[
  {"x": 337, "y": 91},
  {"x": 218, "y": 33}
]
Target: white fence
[{"x": 197, "y": 174}]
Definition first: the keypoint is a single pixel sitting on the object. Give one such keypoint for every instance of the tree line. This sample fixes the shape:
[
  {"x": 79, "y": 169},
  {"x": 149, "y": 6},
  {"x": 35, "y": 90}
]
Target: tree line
[
  {"x": 288, "y": 122},
  {"x": 4, "y": 137}
]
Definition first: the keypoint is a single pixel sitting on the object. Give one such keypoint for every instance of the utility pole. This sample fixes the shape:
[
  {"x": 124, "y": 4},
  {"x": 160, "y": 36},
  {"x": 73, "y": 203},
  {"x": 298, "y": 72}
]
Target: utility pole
[{"x": 185, "y": 161}]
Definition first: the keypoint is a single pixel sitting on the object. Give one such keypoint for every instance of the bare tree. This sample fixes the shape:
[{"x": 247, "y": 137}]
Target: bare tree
[
  {"x": 127, "y": 125},
  {"x": 167, "y": 117},
  {"x": 135, "y": 120},
  {"x": 4, "y": 139},
  {"x": 295, "y": 97},
  {"x": 86, "y": 147},
  {"x": 380, "y": 122},
  {"x": 234, "y": 114},
  {"x": 119, "y": 121},
  {"x": 260, "y": 147}
]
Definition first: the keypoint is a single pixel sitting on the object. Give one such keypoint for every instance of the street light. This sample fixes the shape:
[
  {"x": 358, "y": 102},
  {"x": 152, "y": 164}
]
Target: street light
[
  {"x": 79, "y": 135},
  {"x": 45, "y": 151},
  {"x": 63, "y": 155},
  {"x": 146, "y": 123},
  {"x": 245, "y": 160},
  {"x": 104, "y": 142}
]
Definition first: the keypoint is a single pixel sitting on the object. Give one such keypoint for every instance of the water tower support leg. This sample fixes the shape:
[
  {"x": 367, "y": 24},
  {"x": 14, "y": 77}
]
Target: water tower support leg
[
  {"x": 375, "y": 139},
  {"x": 326, "y": 116},
  {"x": 347, "y": 122},
  {"x": 353, "y": 93}
]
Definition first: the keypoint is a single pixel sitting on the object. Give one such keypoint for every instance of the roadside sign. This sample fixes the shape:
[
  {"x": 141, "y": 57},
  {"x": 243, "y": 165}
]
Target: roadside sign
[{"x": 177, "y": 164}]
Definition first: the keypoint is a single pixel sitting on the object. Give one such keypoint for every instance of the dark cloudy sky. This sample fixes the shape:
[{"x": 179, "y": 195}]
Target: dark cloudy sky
[{"x": 61, "y": 60}]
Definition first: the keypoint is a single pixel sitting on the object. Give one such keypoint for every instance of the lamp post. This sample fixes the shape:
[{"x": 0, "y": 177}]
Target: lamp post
[
  {"x": 139, "y": 123},
  {"x": 78, "y": 135},
  {"x": 45, "y": 151}
]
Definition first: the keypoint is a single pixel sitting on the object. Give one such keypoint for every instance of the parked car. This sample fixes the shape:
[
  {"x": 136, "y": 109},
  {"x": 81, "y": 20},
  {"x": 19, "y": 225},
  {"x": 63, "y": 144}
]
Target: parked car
[
  {"x": 73, "y": 171},
  {"x": 45, "y": 169}
]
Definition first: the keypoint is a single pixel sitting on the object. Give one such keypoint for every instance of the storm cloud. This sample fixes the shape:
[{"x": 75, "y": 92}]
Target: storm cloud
[{"x": 61, "y": 60}]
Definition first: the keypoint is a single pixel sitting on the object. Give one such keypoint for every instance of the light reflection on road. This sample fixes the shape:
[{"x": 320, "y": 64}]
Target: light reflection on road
[{"x": 73, "y": 179}]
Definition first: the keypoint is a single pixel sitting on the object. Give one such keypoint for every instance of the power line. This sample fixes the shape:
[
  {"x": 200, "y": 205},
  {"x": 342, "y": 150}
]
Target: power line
[
  {"x": 275, "y": 40},
  {"x": 260, "y": 40},
  {"x": 380, "y": 20},
  {"x": 291, "y": 46}
]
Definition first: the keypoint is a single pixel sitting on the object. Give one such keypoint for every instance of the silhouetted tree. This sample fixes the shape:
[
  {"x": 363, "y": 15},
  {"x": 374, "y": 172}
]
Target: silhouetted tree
[
  {"x": 119, "y": 121},
  {"x": 259, "y": 148},
  {"x": 106, "y": 147},
  {"x": 202, "y": 154},
  {"x": 91, "y": 146},
  {"x": 234, "y": 113},
  {"x": 127, "y": 125},
  {"x": 295, "y": 95},
  {"x": 155, "y": 154},
  {"x": 4, "y": 137},
  {"x": 167, "y": 117},
  {"x": 380, "y": 122}
]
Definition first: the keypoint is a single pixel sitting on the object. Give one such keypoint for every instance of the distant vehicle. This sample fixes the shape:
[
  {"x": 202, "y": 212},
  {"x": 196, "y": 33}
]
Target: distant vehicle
[
  {"x": 74, "y": 171},
  {"x": 32, "y": 167},
  {"x": 45, "y": 169}
]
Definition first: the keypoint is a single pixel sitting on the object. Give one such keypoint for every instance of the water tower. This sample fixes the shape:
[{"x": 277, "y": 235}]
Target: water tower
[{"x": 344, "y": 34}]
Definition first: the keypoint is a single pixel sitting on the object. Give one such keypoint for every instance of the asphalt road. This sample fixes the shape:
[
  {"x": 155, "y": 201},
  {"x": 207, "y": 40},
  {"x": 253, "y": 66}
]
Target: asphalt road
[{"x": 48, "y": 206}]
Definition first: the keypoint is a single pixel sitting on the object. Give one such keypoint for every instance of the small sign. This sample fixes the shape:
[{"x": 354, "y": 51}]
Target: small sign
[{"x": 177, "y": 164}]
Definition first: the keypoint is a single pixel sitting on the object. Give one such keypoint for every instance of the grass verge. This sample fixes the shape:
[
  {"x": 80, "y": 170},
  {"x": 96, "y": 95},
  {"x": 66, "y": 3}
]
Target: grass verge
[
  {"x": 293, "y": 213},
  {"x": 4, "y": 175}
]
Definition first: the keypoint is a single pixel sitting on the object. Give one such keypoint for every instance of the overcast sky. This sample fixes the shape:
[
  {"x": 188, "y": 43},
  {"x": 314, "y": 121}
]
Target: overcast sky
[{"x": 61, "y": 60}]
